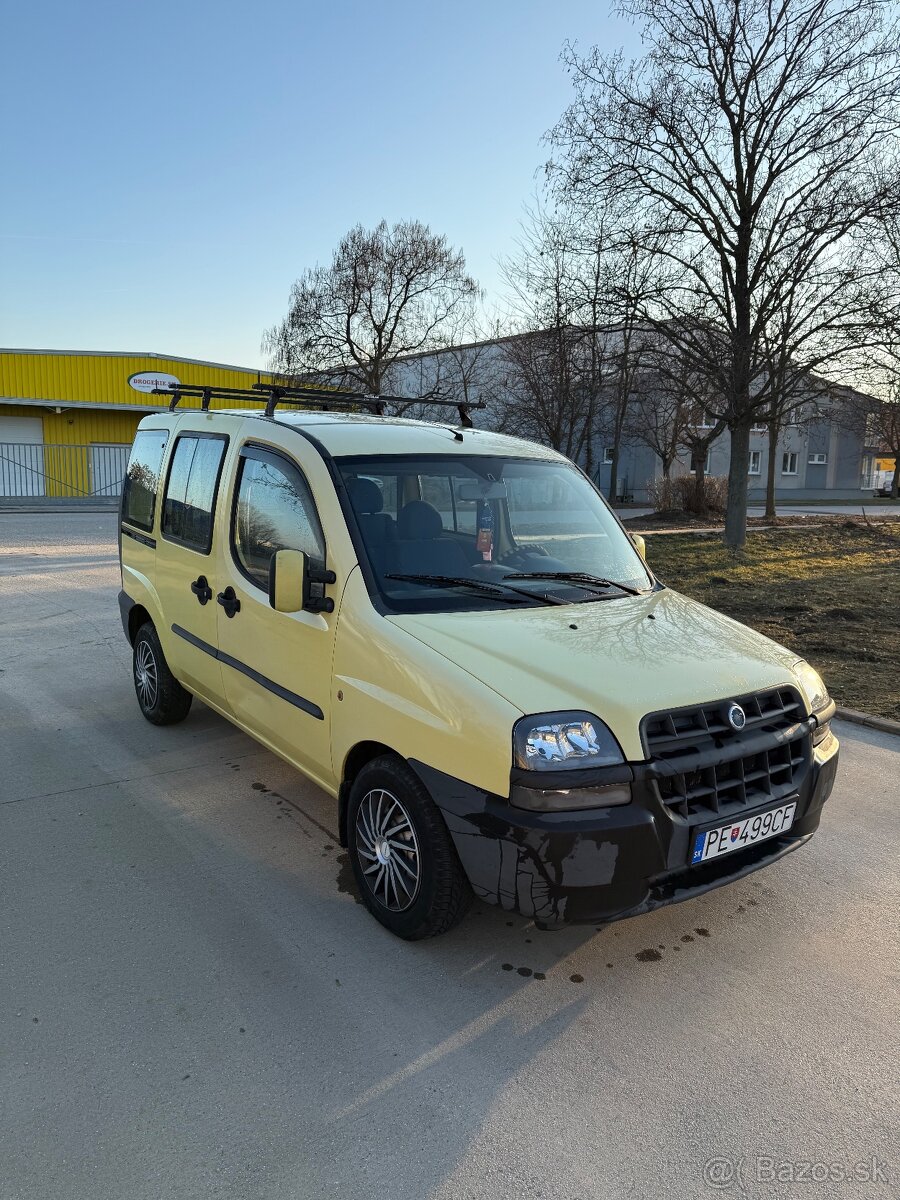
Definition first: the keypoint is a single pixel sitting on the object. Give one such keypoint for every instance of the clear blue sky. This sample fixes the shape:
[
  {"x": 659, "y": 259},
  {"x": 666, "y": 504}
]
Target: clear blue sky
[{"x": 170, "y": 168}]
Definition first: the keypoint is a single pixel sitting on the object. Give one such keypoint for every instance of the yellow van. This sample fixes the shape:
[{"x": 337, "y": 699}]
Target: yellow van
[{"x": 449, "y": 631}]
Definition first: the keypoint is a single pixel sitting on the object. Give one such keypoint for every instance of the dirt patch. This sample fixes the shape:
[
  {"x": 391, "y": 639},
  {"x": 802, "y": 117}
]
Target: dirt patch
[{"x": 828, "y": 593}]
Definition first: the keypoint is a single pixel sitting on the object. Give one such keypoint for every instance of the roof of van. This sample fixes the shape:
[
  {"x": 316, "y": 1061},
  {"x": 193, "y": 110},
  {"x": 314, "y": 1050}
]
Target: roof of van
[{"x": 344, "y": 434}]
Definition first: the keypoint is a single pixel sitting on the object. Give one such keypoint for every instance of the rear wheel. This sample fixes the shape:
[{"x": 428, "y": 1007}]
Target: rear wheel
[
  {"x": 405, "y": 864},
  {"x": 162, "y": 699}
]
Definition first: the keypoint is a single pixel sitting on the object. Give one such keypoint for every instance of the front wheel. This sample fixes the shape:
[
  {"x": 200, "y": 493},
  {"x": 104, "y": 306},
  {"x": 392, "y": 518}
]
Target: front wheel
[
  {"x": 162, "y": 699},
  {"x": 405, "y": 864}
]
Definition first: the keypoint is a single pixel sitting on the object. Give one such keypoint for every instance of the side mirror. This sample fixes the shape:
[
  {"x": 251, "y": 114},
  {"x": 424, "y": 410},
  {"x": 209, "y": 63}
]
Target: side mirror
[
  {"x": 287, "y": 580},
  {"x": 295, "y": 584},
  {"x": 640, "y": 545}
]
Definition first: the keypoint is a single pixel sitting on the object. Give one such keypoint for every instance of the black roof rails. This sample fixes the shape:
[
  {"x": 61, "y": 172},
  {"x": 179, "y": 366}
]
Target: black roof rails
[{"x": 309, "y": 397}]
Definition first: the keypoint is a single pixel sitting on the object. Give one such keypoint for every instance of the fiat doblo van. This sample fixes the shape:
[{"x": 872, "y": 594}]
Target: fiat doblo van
[{"x": 450, "y": 632}]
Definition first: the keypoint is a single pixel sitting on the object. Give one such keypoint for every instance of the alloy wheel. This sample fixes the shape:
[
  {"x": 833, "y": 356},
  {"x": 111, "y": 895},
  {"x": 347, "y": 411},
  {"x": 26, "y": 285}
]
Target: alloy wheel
[
  {"x": 388, "y": 850},
  {"x": 145, "y": 675}
]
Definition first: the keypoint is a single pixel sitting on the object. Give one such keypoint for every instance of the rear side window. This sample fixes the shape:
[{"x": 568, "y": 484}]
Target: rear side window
[
  {"x": 142, "y": 477},
  {"x": 274, "y": 511},
  {"x": 191, "y": 491}
]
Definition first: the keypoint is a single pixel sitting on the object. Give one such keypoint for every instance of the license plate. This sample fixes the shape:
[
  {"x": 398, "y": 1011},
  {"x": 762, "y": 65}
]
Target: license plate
[{"x": 737, "y": 835}]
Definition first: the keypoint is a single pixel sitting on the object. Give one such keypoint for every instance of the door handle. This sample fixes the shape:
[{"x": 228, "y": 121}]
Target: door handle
[
  {"x": 229, "y": 601},
  {"x": 201, "y": 589}
]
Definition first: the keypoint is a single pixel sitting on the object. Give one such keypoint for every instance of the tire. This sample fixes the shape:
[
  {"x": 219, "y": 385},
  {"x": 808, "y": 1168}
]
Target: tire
[
  {"x": 161, "y": 698},
  {"x": 410, "y": 881}
]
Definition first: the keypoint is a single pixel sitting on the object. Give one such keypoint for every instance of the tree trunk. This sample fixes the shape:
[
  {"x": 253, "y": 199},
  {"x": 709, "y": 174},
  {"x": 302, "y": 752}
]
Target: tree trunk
[
  {"x": 895, "y": 482},
  {"x": 770, "y": 470},
  {"x": 736, "y": 511},
  {"x": 698, "y": 465}
]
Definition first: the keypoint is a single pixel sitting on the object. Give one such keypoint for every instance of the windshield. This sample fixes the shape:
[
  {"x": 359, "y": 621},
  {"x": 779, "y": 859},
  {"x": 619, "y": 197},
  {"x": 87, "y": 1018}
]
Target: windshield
[{"x": 472, "y": 531}]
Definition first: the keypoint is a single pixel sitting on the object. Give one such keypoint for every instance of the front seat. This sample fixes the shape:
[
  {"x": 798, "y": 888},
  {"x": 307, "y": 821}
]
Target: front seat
[
  {"x": 422, "y": 548},
  {"x": 377, "y": 527}
]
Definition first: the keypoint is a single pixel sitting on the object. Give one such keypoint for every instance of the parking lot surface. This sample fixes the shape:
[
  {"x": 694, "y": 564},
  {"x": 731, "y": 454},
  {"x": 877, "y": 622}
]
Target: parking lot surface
[{"x": 193, "y": 1004}]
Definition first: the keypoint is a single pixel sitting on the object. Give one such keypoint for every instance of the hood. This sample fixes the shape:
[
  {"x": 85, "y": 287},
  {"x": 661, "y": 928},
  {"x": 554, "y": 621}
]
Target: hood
[{"x": 618, "y": 659}]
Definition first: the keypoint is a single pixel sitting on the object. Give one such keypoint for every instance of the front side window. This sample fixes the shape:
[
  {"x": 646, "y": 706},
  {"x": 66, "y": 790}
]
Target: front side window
[
  {"x": 789, "y": 463},
  {"x": 142, "y": 477},
  {"x": 466, "y": 531},
  {"x": 191, "y": 491},
  {"x": 274, "y": 511},
  {"x": 754, "y": 463}
]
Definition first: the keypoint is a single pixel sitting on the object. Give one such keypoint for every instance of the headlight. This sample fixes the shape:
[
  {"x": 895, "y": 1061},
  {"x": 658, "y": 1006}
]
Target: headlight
[
  {"x": 813, "y": 688},
  {"x": 563, "y": 741}
]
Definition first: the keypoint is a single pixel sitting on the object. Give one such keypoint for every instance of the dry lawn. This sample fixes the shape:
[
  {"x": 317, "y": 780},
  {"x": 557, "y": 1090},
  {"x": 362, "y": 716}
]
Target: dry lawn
[{"x": 830, "y": 593}]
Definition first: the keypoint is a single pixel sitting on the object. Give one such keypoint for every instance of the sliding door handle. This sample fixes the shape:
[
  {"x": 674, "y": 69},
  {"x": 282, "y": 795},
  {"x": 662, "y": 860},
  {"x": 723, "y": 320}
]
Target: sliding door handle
[
  {"x": 229, "y": 602},
  {"x": 201, "y": 589}
]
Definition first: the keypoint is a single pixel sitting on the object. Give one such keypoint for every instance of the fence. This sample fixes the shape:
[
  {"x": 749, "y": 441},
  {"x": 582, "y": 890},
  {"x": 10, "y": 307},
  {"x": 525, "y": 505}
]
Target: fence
[{"x": 62, "y": 472}]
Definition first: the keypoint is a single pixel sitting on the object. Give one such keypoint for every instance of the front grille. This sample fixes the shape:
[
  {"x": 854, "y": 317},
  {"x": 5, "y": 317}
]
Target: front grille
[{"x": 704, "y": 767}]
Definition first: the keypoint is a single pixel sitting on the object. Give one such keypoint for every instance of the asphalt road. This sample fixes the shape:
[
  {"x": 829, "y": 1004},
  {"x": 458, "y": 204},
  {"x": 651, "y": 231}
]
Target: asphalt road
[{"x": 193, "y": 1004}]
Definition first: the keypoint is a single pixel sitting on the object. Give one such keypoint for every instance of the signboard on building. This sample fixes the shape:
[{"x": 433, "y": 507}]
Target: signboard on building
[{"x": 146, "y": 381}]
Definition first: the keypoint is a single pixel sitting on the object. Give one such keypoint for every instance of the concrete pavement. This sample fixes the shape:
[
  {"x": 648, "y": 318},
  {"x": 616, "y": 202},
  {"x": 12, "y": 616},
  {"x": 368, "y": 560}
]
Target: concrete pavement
[{"x": 193, "y": 1004}]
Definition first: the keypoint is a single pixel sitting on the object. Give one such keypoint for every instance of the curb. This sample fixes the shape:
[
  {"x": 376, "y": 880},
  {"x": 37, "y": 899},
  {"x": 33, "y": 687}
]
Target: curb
[{"x": 883, "y": 724}]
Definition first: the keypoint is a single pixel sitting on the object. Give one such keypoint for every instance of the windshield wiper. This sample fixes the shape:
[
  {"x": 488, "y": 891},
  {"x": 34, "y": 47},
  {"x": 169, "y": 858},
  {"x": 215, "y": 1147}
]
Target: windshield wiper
[
  {"x": 497, "y": 591},
  {"x": 579, "y": 577}
]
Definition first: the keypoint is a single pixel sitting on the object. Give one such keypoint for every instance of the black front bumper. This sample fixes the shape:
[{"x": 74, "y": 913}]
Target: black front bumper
[{"x": 602, "y": 864}]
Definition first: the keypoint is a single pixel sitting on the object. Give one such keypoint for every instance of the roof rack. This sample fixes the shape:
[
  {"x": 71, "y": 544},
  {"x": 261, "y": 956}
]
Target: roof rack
[{"x": 308, "y": 397}]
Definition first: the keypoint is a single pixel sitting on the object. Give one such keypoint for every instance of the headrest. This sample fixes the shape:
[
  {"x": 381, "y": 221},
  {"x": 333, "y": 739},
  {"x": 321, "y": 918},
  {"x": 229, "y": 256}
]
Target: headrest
[
  {"x": 419, "y": 521},
  {"x": 365, "y": 495}
]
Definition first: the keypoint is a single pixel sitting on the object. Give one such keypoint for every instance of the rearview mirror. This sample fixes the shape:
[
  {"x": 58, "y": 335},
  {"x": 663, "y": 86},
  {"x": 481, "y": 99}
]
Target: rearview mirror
[
  {"x": 640, "y": 545},
  {"x": 482, "y": 491},
  {"x": 287, "y": 580}
]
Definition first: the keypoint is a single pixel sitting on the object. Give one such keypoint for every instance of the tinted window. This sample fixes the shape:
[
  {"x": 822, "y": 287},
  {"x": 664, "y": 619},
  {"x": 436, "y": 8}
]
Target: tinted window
[
  {"x": 142, "y": 477},
  {"x": 191, "y": 491},
  {"x": 275, "y": 511}
]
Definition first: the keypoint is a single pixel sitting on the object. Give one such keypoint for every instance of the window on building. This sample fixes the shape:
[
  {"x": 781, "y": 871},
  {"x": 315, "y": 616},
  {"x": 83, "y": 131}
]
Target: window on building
[
  {"x": 142, "y": 477},
  {"x": 275, "y": 511},
  {"x": 608, "y": 455},
  {"x": 753, "y": 468},
  {"x": 818, "y": 460},
  {"x": 759, "y": 427},
  {"x": 191, "y": 491},
  {"x": 789, "y": 463},
  {"x": 706, "y": 421}
]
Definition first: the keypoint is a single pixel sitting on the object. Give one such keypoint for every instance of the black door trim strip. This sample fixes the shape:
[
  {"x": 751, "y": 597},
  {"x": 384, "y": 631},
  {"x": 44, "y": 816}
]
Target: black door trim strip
[
  {"x": 270, "y": 685},
  {"x": 139, "y": 537}
]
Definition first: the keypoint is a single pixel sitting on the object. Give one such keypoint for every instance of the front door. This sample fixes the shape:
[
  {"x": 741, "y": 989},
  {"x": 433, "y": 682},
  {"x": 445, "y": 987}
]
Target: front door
[
  {"x": 185, "y": 559},
  {"x": 276, "y": 666}
]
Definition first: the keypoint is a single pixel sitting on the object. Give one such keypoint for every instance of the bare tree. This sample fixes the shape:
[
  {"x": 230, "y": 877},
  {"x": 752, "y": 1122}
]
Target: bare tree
[
  {"x": 884, "y": 426},
  {"x": 796, "y": 396},
  {"x": 387, "y": 293},
  {"x": 752, "y": 140},
  {"x": 548, "y": 391},
  {"x": 875, "y": 420},
  {"x": 877, "y": 359},
  {"x": 659, "y": 421},
  {"x": 465, "y": 366}
]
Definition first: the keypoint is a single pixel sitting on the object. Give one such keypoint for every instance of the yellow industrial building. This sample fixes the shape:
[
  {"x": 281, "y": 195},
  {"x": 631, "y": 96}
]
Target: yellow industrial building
[{"x": 68, "y": 418}]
